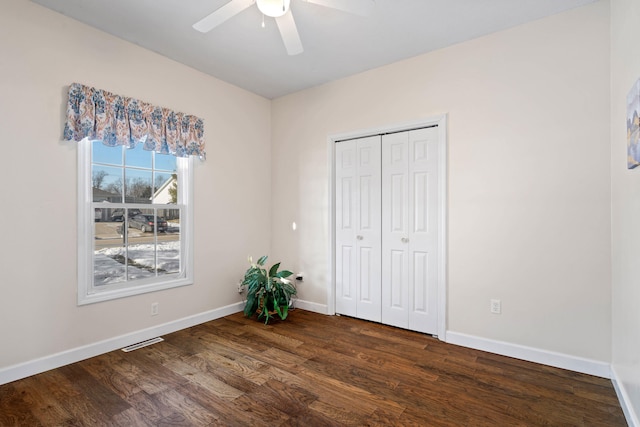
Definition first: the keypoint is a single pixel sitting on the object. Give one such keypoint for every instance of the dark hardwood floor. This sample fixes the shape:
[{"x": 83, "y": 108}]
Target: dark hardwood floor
[{"x": 310, "y": 370}]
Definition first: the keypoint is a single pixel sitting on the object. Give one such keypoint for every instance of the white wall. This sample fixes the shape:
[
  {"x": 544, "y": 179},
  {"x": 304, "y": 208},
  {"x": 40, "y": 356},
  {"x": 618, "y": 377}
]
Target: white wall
[
  {"x": 625, "y": 70},
  {"x": 529, "y": 176},
  {"x": 42, "y": 53}
]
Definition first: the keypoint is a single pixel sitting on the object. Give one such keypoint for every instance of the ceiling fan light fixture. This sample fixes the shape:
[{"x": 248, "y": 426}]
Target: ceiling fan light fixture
[{"x": 273, "y": 8}]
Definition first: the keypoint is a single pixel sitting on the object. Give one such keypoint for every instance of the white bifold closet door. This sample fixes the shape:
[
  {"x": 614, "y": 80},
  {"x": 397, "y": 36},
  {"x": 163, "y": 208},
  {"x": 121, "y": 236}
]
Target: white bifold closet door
[
  {"x": 358, "y": 250},
  {"x": 386, "y": 228},
  {"x": 410, "y": 229}
]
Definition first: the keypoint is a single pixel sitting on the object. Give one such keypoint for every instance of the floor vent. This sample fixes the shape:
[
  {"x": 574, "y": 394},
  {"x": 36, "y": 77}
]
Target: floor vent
[{"x": 142, "y": 344}]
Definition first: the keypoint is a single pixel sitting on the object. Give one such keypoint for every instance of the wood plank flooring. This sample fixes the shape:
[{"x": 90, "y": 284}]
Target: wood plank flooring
[{"x": 310, "y": 370}]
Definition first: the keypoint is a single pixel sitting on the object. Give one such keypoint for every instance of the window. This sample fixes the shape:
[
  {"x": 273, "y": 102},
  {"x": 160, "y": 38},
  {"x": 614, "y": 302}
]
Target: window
[{"x": 135, "y": 221}]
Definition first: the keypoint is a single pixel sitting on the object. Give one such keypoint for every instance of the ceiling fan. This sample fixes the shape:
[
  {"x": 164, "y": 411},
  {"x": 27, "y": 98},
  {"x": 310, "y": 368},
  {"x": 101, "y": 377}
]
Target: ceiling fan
[{"x": 279, "y": 9}]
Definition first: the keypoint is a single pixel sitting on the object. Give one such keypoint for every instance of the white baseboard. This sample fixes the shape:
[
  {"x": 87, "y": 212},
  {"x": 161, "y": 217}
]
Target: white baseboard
[
  {"x": 545, "y": 357},
  {"x": 311, "y": 306},
  {"x": 32, "y": 367},
  {"x": 625, "y": 400}
]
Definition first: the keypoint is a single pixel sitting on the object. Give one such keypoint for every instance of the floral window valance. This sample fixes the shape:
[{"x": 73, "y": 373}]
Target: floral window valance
[{"x": 117, "y": 120}]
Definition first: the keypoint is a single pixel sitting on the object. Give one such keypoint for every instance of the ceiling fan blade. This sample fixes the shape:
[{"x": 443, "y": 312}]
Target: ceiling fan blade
[
  {"x": 357, "y": 7},
  {"x": 289, "y": 33},
  {"x": 222, "y": 14}
]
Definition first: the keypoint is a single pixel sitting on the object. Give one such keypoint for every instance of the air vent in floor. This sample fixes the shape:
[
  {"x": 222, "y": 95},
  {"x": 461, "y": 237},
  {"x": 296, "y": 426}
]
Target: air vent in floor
[{"x": 142, "y": 344}]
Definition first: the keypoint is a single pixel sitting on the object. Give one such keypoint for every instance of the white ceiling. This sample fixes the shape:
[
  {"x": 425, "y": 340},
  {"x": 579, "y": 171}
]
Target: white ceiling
[{"x": 336, "y": 44}]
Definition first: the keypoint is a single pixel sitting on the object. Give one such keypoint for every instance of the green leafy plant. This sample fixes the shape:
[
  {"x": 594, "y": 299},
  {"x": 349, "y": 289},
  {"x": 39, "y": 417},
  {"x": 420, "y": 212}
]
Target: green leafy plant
[{"x": 269, "y": 291}]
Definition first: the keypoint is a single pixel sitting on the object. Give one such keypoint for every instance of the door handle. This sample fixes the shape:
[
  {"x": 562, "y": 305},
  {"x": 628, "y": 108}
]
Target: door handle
[
  {"x": 359, "y": 237},
  {"x": 404, "y": 240}
]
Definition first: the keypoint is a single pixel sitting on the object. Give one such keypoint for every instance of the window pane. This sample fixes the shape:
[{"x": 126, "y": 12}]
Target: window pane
[
  {"x": 107, "y": 183},
  {"x": 138, "y": 157},
  {"x": 166, "y": 188},
  {"x": 143, "y": 221},
  {"x": 165, "y": 162},
  {"x": 169, "y": 242},
  {"x": 109, "y": 253},
  {"x": 141, "y": 248},
  {"x": 107, "y": 155},
  {"x": 141, "y": 260},
  {"x": 138, "y": 186},
  {"x": 160, "y": 179}
]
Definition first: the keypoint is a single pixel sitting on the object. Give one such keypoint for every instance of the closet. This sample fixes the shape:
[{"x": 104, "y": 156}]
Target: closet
[{"x": 387, "y": 228}]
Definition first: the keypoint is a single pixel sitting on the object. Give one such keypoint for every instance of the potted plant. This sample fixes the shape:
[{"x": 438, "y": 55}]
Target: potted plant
[{"x": 269, "y": 291}]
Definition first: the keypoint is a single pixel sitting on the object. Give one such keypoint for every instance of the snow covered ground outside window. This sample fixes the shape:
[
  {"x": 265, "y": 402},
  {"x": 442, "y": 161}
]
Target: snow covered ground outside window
[{"x": 109, "y": 263}]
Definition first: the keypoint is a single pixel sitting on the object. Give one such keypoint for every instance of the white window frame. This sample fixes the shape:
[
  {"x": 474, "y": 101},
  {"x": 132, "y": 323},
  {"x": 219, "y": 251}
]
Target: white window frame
[{"x": 87, "y": 292}]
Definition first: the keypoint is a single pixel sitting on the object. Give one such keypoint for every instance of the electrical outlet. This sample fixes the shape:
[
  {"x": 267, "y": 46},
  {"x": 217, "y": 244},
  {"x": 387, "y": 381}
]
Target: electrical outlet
[
  {"x": 496, "y": 306},
  {"x": 155, "y": 309},
  {"x": 240, "y": 287}
]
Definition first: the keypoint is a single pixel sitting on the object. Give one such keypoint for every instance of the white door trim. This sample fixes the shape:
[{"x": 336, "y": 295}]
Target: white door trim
[{"x": 441, "y": 122}]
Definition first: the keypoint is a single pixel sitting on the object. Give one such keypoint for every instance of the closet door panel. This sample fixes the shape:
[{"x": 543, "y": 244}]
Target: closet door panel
[
  {"x": 420, "y": 282},
  {"x": 395, "y": 230},
  {"x": 368, "y": 242},
  {"x": 398, "y": 274},
  {"x": 423, "y": 237},
  {"x": 345, "y": 228},
  {"x": 409, "y": 229},
  {"x": 358, "y": 284}
]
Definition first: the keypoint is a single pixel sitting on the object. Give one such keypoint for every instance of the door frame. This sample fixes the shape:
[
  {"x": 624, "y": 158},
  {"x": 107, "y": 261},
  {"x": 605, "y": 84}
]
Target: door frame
[{"x": 441, "y": 122}]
